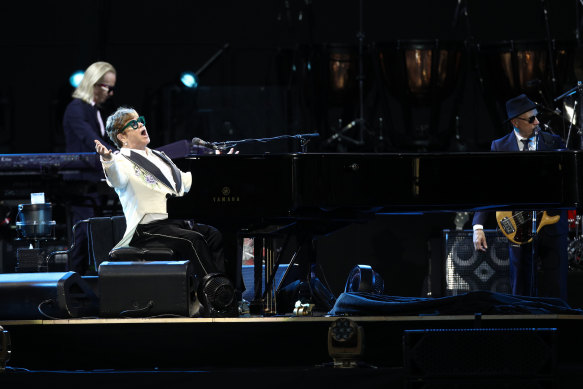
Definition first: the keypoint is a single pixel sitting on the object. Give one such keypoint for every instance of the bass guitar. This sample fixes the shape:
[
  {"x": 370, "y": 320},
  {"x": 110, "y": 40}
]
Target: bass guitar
[{"x": 517, "y": 225}]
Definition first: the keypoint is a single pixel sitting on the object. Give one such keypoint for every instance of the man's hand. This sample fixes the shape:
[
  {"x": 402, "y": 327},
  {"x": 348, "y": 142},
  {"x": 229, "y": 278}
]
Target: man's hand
[
  {"x": 103, "y": 151},
  {"x": 480, "y": 240}
]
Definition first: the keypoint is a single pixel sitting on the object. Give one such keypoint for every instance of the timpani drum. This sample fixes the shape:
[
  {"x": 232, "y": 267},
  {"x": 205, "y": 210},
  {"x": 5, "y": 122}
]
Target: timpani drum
[
  {"x": 420, "y": 71},
  {"x": 511, "y": 68}
]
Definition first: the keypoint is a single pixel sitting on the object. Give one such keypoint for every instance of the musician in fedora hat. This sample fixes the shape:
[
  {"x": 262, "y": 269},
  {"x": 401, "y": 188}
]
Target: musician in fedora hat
[{"x": 551, "y": 241}]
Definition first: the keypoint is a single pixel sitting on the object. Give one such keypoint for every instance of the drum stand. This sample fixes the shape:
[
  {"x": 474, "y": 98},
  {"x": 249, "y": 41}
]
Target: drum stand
[{"x": 360, "y": 122}]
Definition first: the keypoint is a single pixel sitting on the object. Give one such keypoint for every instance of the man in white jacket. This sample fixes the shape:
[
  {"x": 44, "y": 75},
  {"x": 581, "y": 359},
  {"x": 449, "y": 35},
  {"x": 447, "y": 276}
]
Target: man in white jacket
[{"x": 143, "y": 179}]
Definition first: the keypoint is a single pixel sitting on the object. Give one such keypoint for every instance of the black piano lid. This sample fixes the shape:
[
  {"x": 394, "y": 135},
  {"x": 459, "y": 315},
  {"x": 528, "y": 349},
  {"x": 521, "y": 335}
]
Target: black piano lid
[{"x": 304, "y": 183}]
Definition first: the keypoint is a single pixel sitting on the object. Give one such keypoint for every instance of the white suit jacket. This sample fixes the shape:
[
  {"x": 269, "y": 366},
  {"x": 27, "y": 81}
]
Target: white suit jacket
[{"x": 141, "y": 186}]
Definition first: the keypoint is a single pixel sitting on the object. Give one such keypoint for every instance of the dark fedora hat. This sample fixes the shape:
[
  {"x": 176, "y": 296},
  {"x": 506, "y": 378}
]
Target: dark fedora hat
[{"x": 518, "y": 105}]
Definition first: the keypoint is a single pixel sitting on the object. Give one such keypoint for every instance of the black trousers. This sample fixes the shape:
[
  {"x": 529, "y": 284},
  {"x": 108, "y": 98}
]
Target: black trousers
[
  {"x": 200, "y": 243},
  {"x": 551, "y": 250}
]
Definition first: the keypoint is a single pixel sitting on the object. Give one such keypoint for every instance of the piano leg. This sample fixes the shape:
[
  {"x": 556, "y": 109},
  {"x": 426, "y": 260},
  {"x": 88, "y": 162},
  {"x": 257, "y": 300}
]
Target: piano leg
[
  {"x": 267, "y": 257},
  {"x": 264, "y": 257}
]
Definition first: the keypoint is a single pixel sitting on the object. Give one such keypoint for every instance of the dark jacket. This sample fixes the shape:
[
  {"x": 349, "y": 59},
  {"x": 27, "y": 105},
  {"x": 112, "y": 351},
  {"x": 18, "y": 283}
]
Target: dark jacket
[
  {"x": 546, "y": 142},
  {"x": 81, "y": 129}
]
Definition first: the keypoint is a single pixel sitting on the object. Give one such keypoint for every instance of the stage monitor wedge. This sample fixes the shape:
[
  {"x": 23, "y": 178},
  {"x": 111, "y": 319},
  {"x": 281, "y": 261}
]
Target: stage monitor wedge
[
  {"x": 147, "y": 289},
  {"x": 52, "y": 295}
]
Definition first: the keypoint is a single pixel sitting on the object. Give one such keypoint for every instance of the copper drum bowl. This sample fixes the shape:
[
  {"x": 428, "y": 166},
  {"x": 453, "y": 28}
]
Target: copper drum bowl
[
  {"x": 420, "y": 71},
  {"x": 510, "y": 68},
  {"x": 336, "y": 69}
]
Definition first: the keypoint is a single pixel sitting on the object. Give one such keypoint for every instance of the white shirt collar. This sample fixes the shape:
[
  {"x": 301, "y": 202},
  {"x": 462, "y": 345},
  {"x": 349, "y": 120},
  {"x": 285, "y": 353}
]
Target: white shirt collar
[{"x": 520, "y": 137}]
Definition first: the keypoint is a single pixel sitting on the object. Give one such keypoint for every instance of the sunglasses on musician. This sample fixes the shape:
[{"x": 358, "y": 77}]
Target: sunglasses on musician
[
  {"x": 530, "y": 119},
  {"x": 109, "y": 88},
  {"x": 135, "y": 123}
]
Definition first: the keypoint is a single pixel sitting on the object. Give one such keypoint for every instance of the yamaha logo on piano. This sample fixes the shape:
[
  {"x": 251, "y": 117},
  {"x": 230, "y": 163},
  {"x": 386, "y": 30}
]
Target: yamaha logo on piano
[{"x": 226, "y": 196}]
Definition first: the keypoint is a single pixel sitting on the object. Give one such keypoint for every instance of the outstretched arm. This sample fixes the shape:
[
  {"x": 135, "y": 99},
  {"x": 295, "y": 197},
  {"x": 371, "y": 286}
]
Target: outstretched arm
[
  {"x": 114, "y": 173},
  {"x": 103, "y": 151}
]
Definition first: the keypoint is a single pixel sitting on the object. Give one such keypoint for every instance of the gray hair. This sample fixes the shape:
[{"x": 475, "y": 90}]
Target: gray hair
[
  {"x": 115, "y": 121},
  {"x": 93, "y": 75}
]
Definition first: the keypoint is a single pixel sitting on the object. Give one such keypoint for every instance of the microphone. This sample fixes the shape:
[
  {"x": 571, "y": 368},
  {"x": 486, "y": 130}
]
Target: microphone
[
  {"x": 537, "y": 129},
  {"x": 208, "y": 145}
]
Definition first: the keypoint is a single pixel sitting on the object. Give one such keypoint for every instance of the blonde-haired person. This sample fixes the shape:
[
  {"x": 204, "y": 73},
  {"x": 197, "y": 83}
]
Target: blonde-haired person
[{"x": 82, "y": 123}]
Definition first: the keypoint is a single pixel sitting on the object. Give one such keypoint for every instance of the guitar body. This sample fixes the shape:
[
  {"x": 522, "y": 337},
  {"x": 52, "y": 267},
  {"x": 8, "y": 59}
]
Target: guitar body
[{"x": 517, "y": 225}]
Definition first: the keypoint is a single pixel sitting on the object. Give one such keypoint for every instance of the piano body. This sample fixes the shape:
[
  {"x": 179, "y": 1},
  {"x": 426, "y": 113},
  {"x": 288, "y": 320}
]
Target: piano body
[
  {"x": 318, "y": 192},
  {"x": 315, "y": 185}
]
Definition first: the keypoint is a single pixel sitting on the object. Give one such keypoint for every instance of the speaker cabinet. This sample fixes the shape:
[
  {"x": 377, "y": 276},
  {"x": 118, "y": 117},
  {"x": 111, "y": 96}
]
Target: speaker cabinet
[
  {"x": 481, "y": 352},
  {"x": 59, "y": 295},
  {"x": 142, "y": 289},
  {"x": 466, "y": 269}
]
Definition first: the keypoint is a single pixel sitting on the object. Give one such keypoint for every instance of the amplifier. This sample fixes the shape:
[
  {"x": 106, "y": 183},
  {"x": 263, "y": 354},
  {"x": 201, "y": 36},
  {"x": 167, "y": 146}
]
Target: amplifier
[
  {"x": 31, "y": 260},
  {"x": 144, "y": 289},
  {"x": 469, "y": 270}
]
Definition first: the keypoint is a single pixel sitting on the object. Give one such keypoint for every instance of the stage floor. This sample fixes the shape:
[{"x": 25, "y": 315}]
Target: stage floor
[
  {"x": 260, "y": 351},
  {"x": 187, "y": 343}
]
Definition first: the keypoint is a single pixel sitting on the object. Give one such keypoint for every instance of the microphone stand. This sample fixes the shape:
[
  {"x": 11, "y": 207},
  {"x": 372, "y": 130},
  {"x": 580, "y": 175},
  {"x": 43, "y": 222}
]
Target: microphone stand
[
  {"x": 211, "y": 59},
  {"x": 571, "y": 124},
  {"x": 533, "y": 289},
  {"x": 533, "y": 278},
  {"x": 550, "y": 43},
  {"x": 575, "y": 89},
  {"x": 360, "y": 37},
  {"x": 304, "y": 139},
  {"x": 340, "y": 134}
]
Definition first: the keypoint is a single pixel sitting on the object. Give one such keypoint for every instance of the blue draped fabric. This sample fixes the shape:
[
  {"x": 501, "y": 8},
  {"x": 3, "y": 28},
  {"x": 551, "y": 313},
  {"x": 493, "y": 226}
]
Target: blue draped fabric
[{"x": 484, "y": 302}]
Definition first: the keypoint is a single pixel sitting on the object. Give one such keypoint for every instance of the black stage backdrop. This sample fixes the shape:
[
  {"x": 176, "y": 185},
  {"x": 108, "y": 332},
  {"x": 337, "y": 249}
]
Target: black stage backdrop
[{"x": 290, "y": 48}]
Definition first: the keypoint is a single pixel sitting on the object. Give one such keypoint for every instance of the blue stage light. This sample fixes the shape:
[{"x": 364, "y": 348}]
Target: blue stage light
[
  {"x": 76, "y": 78},
  {"x": 189, "y": 80}
]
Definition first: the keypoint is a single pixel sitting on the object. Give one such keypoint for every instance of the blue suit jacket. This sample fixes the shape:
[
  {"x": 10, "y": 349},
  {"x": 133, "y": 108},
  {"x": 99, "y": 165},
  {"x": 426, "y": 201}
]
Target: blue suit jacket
[
  {"x": 81, "y": 129},
  {"x": 546, "y": 142}
]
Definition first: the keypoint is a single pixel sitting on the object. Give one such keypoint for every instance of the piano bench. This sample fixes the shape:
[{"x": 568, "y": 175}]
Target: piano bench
[{"x": 140, "y": 254}]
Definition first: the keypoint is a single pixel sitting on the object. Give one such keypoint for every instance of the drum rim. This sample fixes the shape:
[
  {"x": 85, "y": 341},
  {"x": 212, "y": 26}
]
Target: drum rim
[
  {"x": 421, "y": 44},
  {"x": 526, "y": 44}
]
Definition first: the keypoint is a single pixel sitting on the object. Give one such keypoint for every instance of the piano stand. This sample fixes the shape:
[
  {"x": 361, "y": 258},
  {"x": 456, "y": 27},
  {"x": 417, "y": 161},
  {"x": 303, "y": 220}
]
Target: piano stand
[
  {"x": 268, "y": 256},
  {"x": 264, "y": 255}
]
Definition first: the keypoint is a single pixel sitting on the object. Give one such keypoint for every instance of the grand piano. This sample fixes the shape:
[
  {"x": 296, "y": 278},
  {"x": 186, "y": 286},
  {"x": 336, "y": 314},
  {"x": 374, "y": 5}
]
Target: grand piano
[
  {"x": 317, "y": 192},
  {"x": 306, "y": 185}
]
